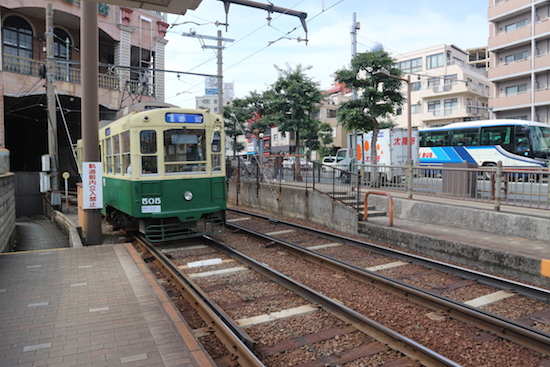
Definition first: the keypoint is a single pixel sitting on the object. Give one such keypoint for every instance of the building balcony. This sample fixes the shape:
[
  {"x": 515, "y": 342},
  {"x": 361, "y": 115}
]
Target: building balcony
[
  {"x": 449, "y": 90},
  {"x": 453, "y": 114},
  {"x": 504, "y": 102},
  {"x": 502, "y": 39},
  {"x": 507, "y": 69},
  {"x": 542, "y": 95},
  {"x": 504, "y": 7},
  {"x": 542, "y": 62},
  {"x": 542, "y": 26},
  {"x": 67, "y": 77}
]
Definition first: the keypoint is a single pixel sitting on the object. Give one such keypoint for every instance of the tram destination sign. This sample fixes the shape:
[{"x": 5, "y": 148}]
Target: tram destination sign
[{"x": 190, "y": 118}]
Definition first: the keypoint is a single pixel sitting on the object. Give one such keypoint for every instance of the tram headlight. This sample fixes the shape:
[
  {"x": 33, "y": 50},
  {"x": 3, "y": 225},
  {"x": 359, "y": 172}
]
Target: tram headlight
[{"x": 188, "y": 195}]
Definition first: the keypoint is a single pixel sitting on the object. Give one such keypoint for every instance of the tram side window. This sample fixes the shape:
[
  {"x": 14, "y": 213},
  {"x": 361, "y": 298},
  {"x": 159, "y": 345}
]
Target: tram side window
[
  {"x": 496, "y": 135},
  {"x": 464, "y": 137},
  {"x": 109, "y": 155},
  {"x": 148, "y": 150},
  {"x": 216, "y": 152},
  {"x": 184, "y": 150},
  {"x": 126, "y": 152},
  {"x": 116, "y": 151}
]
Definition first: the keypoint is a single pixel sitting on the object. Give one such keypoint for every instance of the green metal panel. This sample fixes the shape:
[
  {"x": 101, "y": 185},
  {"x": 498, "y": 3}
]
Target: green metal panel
[{"x": 165, "y": 199}]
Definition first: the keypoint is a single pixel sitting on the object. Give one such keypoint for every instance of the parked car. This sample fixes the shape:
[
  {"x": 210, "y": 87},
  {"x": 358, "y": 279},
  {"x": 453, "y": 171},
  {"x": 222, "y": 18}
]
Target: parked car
[
  {"x": 327, "y": 163},
  {"x": 288, "y": 162}
]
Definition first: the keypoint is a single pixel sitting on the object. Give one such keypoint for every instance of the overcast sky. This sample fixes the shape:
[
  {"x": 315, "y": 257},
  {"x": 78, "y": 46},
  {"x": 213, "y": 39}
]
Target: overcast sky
[{"x": 400, "y": 26}]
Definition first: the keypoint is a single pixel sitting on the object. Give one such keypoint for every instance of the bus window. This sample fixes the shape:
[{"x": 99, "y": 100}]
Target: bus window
[
  {"x": 434, "y": 138},
  {"x": 496, "y": 135},
  {"x": 464, "y": 137}
]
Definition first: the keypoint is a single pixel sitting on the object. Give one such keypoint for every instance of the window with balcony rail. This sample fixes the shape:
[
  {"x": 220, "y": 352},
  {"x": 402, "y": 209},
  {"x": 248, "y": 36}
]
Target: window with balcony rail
[
  {"x": 516, "y": 89},
  {"x": 520, "y": 56},
  {"x": 515, "y": 26},
  {"x": 434, "y": 108},
  {"x": 450, "y": 104},
  {"x": 17, "y": 42}
]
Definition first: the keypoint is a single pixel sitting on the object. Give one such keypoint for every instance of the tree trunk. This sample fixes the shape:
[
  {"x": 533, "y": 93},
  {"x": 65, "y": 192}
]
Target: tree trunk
[{"x": 374, "y": 179}]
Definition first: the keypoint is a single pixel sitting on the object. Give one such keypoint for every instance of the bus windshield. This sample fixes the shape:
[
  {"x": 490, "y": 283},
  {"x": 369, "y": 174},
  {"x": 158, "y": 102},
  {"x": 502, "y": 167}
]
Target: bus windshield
[{"x": 540, "y": 140}]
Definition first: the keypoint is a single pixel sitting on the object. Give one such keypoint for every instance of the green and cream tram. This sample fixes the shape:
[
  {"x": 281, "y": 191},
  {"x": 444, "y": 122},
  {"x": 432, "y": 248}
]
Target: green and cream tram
[{"x": 164, "y": 171}]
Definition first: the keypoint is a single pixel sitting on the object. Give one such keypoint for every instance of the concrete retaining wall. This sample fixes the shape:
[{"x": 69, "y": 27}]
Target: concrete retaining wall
[
  {"x": 318, "y": 208},
  {"x": 461, "y": 217},
  {"x": 296, "y": 203},
  {"x": 7, "y": 210},
  {"x": 523, "y": 268}
]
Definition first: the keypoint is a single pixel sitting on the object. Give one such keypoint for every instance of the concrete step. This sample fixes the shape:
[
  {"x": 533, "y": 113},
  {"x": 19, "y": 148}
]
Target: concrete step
[{"x": 372, "y": 213}]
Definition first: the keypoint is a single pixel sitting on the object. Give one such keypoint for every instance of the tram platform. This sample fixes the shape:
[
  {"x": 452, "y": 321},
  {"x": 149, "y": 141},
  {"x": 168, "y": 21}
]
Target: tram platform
[{"x": 87, "y": 306}]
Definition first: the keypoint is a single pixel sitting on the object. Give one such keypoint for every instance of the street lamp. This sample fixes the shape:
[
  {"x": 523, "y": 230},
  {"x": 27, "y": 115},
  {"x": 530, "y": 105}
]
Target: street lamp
[{"x": 383, "y": 73}]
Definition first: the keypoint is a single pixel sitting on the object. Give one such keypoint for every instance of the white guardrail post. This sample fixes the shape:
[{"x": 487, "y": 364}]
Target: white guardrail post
[
  {"x": 498, "y": 185},
  {"x": 410, "y": 174}
]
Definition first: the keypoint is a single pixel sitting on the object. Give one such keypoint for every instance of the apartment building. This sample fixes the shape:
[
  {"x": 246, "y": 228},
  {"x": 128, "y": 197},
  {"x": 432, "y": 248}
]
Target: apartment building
[
  {"x": 445, "y": 87},
  {"x": 327, "y": 113},
  {"x": 210, "y": 98},
  {"x": 131, "y": 53},
  {"x": 519, "y": 45}
]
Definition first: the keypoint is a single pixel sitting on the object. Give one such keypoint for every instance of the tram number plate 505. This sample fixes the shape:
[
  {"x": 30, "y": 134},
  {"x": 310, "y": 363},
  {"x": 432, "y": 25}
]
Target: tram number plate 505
[{"x": 150, "y": 205}]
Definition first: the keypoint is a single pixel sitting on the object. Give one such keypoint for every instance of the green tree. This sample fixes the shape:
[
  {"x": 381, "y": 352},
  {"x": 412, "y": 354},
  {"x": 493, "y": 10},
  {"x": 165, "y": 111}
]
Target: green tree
[
  {"x": 289, "y": 104},
  {"x": 325, "y": 138},
  {"x": 377, "y": 94},
  {"x": 235, "y": 116},
  {"x": 238, "y": 114}
]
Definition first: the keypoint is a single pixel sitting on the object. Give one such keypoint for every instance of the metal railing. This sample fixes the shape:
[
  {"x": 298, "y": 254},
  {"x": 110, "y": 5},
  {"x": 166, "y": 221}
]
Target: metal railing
[
  {"x": 494, "y": 185},
  {"x": 66, "y": 72}
]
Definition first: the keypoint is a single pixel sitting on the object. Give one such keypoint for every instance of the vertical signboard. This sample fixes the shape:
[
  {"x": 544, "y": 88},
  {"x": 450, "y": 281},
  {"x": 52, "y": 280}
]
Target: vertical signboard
[{"x": 91, "y": 185}]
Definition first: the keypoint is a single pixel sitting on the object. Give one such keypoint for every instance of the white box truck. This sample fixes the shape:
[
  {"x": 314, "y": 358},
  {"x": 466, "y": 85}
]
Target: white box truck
[{"x": 391, "y": 150}]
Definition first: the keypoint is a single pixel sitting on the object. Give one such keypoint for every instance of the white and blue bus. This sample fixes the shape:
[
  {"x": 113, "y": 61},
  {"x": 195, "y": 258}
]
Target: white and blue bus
[{"x": 519, "y": 144}]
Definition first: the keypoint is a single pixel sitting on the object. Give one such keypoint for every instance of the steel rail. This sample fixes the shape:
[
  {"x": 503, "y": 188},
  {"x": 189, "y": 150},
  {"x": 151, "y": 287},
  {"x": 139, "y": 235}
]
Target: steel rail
[
  {"x": 505, "y": 328},
  {"x": 230, "y": 334},
  {"x": 527, "y": 290},
  {"x": 394, "y": 340}
]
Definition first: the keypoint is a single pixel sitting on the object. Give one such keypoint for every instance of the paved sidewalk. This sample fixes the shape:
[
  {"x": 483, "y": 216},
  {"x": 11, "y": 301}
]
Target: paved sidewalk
[{"x": 90, "y": 306}]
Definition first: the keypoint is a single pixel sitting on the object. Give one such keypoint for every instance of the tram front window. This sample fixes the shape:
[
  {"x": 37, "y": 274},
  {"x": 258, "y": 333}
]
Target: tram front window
[{"x": 185, "y": 151}]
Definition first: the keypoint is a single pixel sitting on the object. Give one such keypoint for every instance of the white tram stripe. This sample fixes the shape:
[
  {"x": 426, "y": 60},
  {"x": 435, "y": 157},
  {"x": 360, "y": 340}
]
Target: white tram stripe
[
  {"x": 238, "y": 219},
  {"x": 280, "y": 232},
  {"x": 489, "y": 298},
  {"x": 260, "y": 319},
  {"x": 317, "y": 247},
  {"x": 387, "y": 266},
  {"x": 217, "y": 272}
]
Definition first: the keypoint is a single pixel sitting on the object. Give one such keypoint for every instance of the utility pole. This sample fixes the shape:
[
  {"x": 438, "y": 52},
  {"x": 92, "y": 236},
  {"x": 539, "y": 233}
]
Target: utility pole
[
  {"x": 220, "y": 74},
  {"x": 354, "y": 28},
  {"x": 89, "y": 40},
  {"x": 51, "y": 116},
  {"x": 218, "y": 47}
]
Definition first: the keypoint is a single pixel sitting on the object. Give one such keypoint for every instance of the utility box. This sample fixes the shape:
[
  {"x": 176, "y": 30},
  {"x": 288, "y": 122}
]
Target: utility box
[
  {"x": 460, "y": 183},
  {"x": 56, "y": 198}
]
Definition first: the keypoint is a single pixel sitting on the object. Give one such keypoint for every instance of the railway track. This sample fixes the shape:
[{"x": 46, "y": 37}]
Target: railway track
[
  {"x": 318, "y": 324},
  {"x": 443, "y": 288},
  {"x": 227, "y": 317}
]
